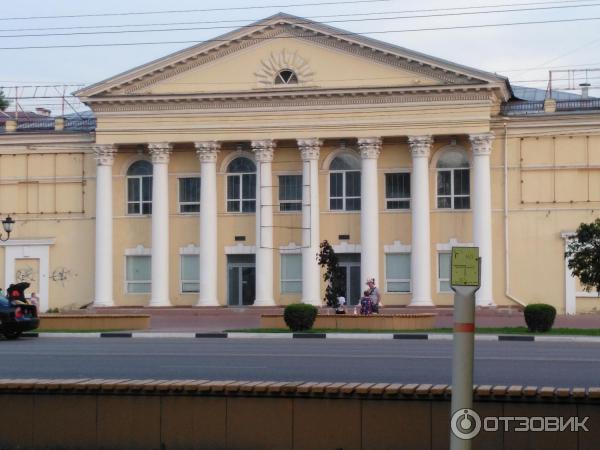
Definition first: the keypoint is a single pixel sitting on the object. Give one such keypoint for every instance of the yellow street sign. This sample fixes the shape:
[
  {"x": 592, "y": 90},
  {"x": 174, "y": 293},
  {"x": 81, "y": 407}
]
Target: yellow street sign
[{"x": 465, "y": 266}]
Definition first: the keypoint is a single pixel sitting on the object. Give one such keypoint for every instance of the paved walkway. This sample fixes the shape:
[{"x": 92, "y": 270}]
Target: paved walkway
[{"x": 215, "y": 319}]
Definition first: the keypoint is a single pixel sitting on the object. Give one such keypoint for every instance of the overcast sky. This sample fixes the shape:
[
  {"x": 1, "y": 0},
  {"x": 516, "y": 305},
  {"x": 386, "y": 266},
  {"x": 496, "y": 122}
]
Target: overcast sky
[{"x": 524, "y": 53}]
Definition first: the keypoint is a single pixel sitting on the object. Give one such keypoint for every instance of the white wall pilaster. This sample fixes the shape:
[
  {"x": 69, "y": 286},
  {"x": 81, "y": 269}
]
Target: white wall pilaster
[
  {"x": 103, "y": 280},
  {"x": 311, "y": 273},
  {"x": 160, "y": 153},
  {"x": 369, "y": 149},
  {"x": 481, "y": 145},
  {"x": 207, "y": 153},
  {"x": 420, "y": 258},
  {"x": 263, "y": 151}
]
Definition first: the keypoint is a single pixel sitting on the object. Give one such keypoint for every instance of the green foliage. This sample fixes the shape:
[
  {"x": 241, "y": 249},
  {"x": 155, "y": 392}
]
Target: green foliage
[
  {"x": 539, "y": 317},
  {"x": 53, "y": 311},
  {"x": 300, "y": 316},
  {"x": 333, "y": 274},
  {"x": 583, "y": 254},
  {"x": 4, "y": 103}
]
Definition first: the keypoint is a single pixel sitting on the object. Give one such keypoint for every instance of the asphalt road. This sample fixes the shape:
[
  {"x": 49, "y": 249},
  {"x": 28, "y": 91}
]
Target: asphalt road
[{"x": 527, "y": 363}]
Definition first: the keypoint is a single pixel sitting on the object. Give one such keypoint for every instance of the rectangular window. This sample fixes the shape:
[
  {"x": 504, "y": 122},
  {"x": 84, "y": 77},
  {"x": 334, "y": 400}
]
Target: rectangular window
[
  {"x": 397, "y": 190},
  {"x": 444, "y": 272},
  {"x": 397, "y": 272},
  {"x": 190, "y": 273},
  {"x": 336, "y": 191},
  {"x": 138, "y": 274},
  {"x": 290, "y": 192},
  {"x": 291, "y": 273},
  {"x": 353, "y": 191},
  {"x": 189, "y": 195}
]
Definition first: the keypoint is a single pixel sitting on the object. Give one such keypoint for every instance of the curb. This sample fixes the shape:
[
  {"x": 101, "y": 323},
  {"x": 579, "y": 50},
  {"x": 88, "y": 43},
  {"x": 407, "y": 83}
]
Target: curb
[{"x": 334, "y": 336}]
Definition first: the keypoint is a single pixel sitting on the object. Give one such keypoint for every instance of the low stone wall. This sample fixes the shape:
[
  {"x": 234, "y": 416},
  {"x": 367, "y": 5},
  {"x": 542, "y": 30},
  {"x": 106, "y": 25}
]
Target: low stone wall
[
  {"x": 201, "y": 414},
  {"x": 352, "y": 322},
  {"x": 97, "y": 322}
]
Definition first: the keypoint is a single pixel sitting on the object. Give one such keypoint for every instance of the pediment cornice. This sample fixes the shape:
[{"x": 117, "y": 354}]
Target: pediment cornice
[{"x": 293, "y": 99}]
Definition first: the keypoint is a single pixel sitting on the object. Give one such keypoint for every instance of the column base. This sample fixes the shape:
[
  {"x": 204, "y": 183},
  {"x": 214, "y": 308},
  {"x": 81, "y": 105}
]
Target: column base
[
  {"x": 485, "y": 303},
  {"x": 208, "y": 302},
  {"x": 318, "y": 302},
  {"x": 421, "y": 302},
  {"x": 103, "y": 303},
  {"x": 159, "y": 302},
  {"x": 264, "y": 302}
]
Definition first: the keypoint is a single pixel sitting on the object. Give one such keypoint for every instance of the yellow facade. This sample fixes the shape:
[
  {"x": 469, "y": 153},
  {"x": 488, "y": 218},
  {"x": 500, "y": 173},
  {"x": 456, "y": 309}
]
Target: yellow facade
[{"x": 544, "y": 167}]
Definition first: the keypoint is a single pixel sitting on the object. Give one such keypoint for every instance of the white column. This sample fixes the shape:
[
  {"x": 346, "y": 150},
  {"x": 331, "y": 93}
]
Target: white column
[
  {"x": 103, "y": 296},
  {"x": 263, "y": 151},
  {"x": 311, "y": 272},
  {"x": 369, "y": 149},
  {"x": 160, "y": 153},
  {"x": 207, "y": 153},
  {"x": 481, "y": 144},
  {"x": 420, "y": 260}
]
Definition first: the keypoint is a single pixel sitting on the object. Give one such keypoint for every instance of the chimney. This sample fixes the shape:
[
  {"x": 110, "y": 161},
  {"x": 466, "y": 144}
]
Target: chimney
[
  {"x": 43, "y": 112},
  {"x": 585, "y": 88}
]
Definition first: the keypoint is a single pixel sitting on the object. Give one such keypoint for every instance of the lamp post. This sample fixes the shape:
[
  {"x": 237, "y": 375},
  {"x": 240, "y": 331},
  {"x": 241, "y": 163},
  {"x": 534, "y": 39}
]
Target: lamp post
[{"x": 7, "y": 224}]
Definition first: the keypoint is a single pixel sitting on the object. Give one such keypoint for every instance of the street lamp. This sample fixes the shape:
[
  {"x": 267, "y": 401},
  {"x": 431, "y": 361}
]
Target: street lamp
[{"x": 7, "y": 224}]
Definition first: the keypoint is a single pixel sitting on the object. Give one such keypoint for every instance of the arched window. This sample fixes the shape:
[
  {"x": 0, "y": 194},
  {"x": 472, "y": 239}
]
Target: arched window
[
  {"x": 241, "y": 185},
  {"x": 344, "y": 183},
  {"x": 286, "y": 76},
  {"x": 453, "y": 180},
  {"x": 139, "y": 188}
]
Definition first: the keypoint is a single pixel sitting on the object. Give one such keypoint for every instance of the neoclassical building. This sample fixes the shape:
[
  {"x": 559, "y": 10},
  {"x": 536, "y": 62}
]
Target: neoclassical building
[{"x": 210, "y": 177}]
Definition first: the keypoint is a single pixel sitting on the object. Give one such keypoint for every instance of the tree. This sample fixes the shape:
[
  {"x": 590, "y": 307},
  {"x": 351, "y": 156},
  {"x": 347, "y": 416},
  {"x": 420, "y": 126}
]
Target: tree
[
  {"x": 583, "y": 255},
  {"x": 333, "y": 274},
  {"x": 3, "y": 101}
]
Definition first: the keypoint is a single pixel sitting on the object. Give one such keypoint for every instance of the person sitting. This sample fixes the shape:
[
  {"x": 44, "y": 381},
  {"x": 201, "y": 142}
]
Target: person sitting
[
  {"x": 375, "y": 295},
  {"x": 341, "y": 307},
  {"x": 366, "y": 306}
]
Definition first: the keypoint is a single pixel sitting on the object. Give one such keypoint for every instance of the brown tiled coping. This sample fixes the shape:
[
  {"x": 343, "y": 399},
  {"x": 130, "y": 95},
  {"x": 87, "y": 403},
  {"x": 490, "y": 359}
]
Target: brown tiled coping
[{"x": 294, "y": 389}]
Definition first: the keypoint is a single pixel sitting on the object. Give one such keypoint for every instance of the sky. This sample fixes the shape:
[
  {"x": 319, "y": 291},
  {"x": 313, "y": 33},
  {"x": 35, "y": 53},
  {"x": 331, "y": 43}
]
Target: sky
[{"x": 524, "y": 53}]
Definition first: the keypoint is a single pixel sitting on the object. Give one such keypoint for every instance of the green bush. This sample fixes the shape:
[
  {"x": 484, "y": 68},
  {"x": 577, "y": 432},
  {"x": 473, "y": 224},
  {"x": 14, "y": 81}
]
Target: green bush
[
  {"x": 539, "y": 317},
  {"x": 300, "y": 316}
]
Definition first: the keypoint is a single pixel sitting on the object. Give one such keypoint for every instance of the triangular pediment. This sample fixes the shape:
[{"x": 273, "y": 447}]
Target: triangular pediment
[{"x": 320, "y": 57}]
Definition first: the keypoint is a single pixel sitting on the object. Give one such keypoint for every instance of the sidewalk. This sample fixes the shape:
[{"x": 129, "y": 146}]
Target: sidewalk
[{"x": 217, "y": 319}]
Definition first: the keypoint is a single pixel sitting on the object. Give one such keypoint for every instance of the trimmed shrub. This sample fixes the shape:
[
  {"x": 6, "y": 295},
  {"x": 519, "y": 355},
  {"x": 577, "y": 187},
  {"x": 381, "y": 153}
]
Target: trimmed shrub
[
  {"x": 539, "y": 317},
  {"x": 300, "y": 316}
]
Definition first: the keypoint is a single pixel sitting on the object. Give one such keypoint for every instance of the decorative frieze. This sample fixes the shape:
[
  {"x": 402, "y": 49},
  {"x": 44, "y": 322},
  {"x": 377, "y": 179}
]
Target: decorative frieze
[
  {"x": 369, "y": 148},
  {"x": 207, "y": 151},
  {"x": 420, "y": 146},
  {"x": 310, "y": 148},
  {"x": 104, "y": 154},
  {"x": 481, "y": 144},
  {"x": 264, "y": 149},
  {"x": 160, "y": 152}
]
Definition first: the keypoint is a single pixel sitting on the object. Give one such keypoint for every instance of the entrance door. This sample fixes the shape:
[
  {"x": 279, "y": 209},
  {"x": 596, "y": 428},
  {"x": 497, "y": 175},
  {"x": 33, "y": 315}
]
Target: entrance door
[
  {"x": 351, "y": 283},
  {"x": 241, "y": 278}
]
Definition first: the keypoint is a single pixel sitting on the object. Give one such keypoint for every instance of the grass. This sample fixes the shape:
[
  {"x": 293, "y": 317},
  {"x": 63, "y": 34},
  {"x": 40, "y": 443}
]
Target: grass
[{"x": 483, "y": 330}]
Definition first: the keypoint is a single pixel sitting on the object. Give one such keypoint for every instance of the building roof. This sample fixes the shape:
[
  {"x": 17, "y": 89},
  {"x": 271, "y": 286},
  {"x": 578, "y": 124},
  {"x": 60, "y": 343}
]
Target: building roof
[{"x": 539, "y": 95}]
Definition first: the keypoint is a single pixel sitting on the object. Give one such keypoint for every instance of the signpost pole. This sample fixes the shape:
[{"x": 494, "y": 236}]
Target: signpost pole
[{"x": 462, "y": 360}]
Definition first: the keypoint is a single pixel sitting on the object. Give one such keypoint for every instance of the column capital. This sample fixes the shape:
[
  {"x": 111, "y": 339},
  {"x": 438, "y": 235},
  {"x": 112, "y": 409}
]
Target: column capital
[
  {"x": 369, "y": 148},
  {"x": 104, "y": 154},
  {"x": 310, "y": 148},
  {"x": 207, "y": 150},
  {"x": 481, "y": 144},
  {"x": 160, "y": 152},
  {"x": 263, "y": 149},
  {"x": 420, "y": 146}
]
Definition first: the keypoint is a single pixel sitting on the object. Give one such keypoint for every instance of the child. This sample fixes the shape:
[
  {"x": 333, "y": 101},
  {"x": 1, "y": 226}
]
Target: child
[{"x": 366, "y": 305}]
